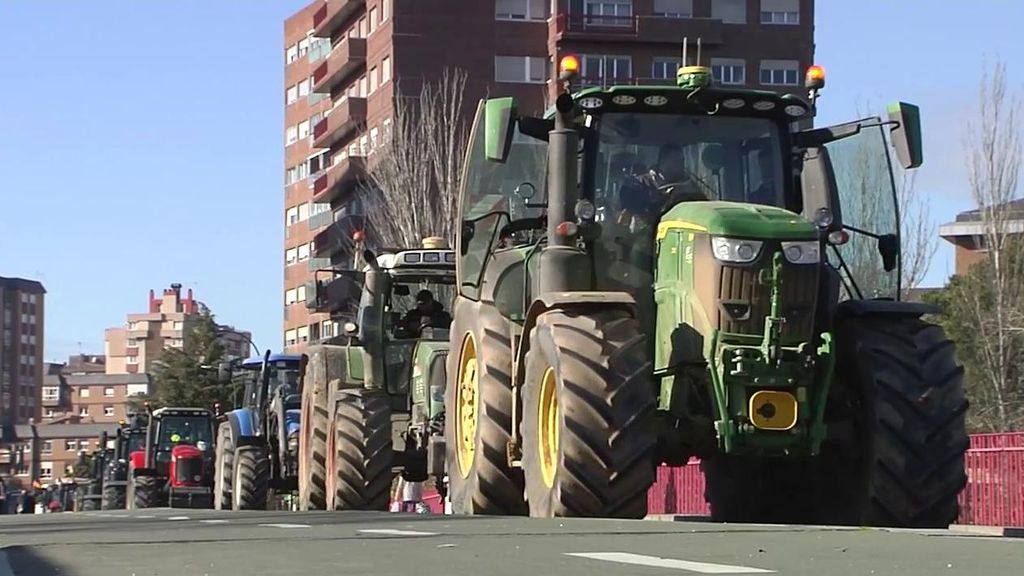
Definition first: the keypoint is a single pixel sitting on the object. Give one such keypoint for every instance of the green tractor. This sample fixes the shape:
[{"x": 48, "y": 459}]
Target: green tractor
[
  {"x": 372, "y": 398},
  {"x": 653, "y": 273}
]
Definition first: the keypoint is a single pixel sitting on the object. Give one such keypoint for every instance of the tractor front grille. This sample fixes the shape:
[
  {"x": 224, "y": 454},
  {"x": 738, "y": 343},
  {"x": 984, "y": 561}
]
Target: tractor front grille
[
  {"x": 188, "y": 471},
  {"x": 742, "y": 285}
]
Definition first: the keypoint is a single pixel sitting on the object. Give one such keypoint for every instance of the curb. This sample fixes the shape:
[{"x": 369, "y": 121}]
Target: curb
[
  {"x": 999, "y": 531},
  {"x": 677, "y": 518}
]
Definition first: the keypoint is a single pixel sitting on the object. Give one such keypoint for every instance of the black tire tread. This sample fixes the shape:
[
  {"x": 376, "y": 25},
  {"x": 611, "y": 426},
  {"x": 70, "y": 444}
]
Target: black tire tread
[
  {"x": 607, "y": 403},
  {"x": 493, "y": 487},
  {"x": 252, "y": 472},
  {"x": 363, "y": 450},
  {"x": 145, "y": 493},
  {"x": 324, "y": 374},
  {"x": 113, "y": 498},
  {"x": 225, "y": 462}
]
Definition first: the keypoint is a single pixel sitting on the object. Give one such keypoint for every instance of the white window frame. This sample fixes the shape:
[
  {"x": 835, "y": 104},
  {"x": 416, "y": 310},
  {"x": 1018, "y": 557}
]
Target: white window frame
[
  {"x": 291, "y": 54},
  {"x": 303, "y": 129},
  {"x": 83, "y": 411},
  {"x": 661, "y": 65},
  {"x": 523, "y": 13},
  {"x": 291, "y": 94},
  {"x": 303, "y": 252},
  {"x": 109, "y": 389},
  {"x": 289, "y": 337},
  {"x": 601, "y": 60},
  {"x": 304, "y": 85},
  {"x": 291, "y": 216},
  {"x": 291, "y": 256},
  {"x": 742, "y": 3},
  {"x": 673, "y": 13},
  {"x": 385, "y": 70},
  {"x": 785, "y": 67},
  {"x": 300, "y": 293},
  {"x": 528, "y": 63},
  {"x": 132, "y": 360},
  {"x": 719, "y": 67},
  {"x": 83, "y": 392},
  {"x": 291, "y": 135},
  {"x": 290, "y": 297},
  {"x": 606, "y": 13}
]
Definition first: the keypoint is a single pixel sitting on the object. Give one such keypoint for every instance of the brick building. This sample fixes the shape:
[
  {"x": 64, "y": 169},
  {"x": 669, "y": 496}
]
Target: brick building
[
  {"x": 967, "y": 234},
  {"x": 51, "y": 448},
  {"x": 21, "y": 349},
  {"x": 134, "y": 347},
  {"x": 343, "y": 59},
  {"x": 90, "y": 398}
]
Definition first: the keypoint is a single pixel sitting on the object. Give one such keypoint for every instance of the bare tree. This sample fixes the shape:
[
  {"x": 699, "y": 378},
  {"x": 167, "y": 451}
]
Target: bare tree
[
  {"x": 413, "y": 176},
  {"x": 993, "y": 302}
]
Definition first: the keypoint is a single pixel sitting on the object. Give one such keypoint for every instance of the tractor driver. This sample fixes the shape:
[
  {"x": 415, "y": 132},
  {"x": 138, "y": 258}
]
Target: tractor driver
[
  {"x": 428, "y": 312},
  {"x": 647, "y": 196}
]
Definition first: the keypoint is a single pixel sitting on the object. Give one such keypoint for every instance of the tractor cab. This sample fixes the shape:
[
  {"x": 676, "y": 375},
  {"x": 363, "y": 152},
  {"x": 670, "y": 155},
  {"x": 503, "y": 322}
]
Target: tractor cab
[
  {"x": 176, "y": 462},
  {"x": 273, "y": 378}
]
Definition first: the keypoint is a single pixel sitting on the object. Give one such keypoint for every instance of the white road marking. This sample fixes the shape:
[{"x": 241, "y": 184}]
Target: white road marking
[
  {"x": 214, "y": 521},
  {"x": 177, "y": 517},
  {"x": 144, "y": 517},
  {"x": 285, "y": 525},
  {"x": 641, "y": 560},
  {"x": 393, "y": 532}
]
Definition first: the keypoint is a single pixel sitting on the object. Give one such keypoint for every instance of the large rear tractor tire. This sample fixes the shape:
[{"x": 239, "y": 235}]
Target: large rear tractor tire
[
  {"x": 145, "y": 492},
  {"x": 252, "y": 478},
  {"x": 363, "y": 451},
  {"x": 113, "y": 498},
  {"x": 588, "y": 417},
  {"x": 907, "y": 467},
  {"x": 478, "y": 414},
  {"x": 90, "y": 504},
  {"x": 325, "y": 371},
  {"x": 224, "y": 471}
]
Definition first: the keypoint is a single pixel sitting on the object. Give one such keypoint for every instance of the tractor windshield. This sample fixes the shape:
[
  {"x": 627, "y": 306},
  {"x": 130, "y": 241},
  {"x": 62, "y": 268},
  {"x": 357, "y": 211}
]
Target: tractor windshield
[
  {"x": 175, "y": 430},
  {"x": 136, "y": 440},
  {"x": 282, "y": 373},
  {"x": 419, "y": 301}
]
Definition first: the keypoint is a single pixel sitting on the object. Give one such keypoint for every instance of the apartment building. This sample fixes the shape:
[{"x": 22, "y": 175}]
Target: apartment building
[
  {"x": 967, "y": 234},
  {"x": 90, "y": 398},
  {"x": 344, "y": 58},
  {"x": 21, "y": 349},
  {"x": 134, "y": 347}
]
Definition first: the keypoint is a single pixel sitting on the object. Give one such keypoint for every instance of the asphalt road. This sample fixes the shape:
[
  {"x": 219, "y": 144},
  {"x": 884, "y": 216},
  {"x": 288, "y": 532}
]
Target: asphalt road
[{"x": 205, "y": 542}]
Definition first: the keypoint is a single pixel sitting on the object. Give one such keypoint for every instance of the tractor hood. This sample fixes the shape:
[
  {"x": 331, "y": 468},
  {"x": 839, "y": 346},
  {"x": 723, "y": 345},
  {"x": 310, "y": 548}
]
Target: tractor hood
[
  {"x": 737, "y": 220},
  {"x": 291, "y": 422},
  {"x": 183, "y": 451}
]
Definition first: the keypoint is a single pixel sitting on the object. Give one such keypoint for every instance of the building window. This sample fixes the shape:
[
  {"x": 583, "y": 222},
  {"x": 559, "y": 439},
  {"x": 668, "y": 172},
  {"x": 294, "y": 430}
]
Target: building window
[
  {"x": 728, "y": 70},
  {"x": 292, "y": 94},
  {"x": 300, "y": 293},
  {"x": 133, "y": 360},
  {"x": 108, "y": 410},
  {"x": 175, "y": 342},
  {"x": 673, "y": 8},
  {"x": 303, "y": 212},
  {"x": 386, "y": 129},
  {"x": 363, "y": 32},
  {"x": 133, "y": 342},
  {"x": 179, "y": 325},
  {"x": 71, "y": 445},
  {"x": 779, "y": 72},
  {"x": 291, "y": 216},
  {"x": 304, "y": 130},
  {"x": 609, "y": 12},
  {"x": 291, "y": 54},
  {"x": 108, "y": 391},
  {"x": 373, "y": 80},
  {"x": 521, "y": 10},
  {"x": 290, "y": 256},
  {"x": 780, "y": 11},
  {"x": 664, "y": 68},
  {"x": 290, "y": 297},
  {"x": 289, "y": 337},
  {"x": 291, "y": 134},
  {"x": 373, "y": 20},
  {"x": 304, "y": 87},
  {"x": 385, "y": 10},
  {"x": 304, "y": 46},
  {"x": 599, "y": 69},
  {"x": 303, "y": 252},
  {"x": 51, "y": 393},
  {"x": 531, "y": 69},
  {"x": 47, "y": 447},
  {"x": 729, "y": 11},
  {"x": 303, "y": 333},
  {"x": 49, "y": 413},
  {"x": 83, "y": 411},
  {"x": 374, "y": 138},
  {"x": 327, "y": 329},
  {"x": 385, "y": 70},
  {"x": 84, "y": 392},
  {"x": 46, "y": 470}
]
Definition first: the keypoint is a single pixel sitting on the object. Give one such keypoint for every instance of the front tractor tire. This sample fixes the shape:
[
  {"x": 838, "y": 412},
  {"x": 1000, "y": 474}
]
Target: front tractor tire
[
  {"x": 588, "y": 417},
  {"x": 324, "y": 373},
  {"x": 113, "y": 498},
  {"x": 363, "y": 452},
  {"x": 478, "y": 415},
  {"x": 224, "y": 471},
  {"x": 252, "y": 478},
  {"x": 145, "y": 492},
  {"x": 910, "y": 411}
]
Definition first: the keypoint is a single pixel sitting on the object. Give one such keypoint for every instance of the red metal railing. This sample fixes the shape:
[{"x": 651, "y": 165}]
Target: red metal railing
[{"x": 994, "y": 495}]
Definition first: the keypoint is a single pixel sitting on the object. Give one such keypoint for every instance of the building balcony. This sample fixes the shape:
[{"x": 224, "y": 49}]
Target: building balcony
[
  {"x": 329, "y": 18},
  {"x": 337, "y": 238},
  {"x": 345, "y": 59},
  {"x": 338, "y": 180},
  {"x": 648, "y": 29},
  {"x": 344, "y": 119}
]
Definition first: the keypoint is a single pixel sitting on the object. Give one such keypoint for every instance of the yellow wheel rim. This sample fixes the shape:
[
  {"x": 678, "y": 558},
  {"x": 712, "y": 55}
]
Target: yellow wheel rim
[
  {"x": 467, "y": 406},
  {"x": 549, "y": 424}
]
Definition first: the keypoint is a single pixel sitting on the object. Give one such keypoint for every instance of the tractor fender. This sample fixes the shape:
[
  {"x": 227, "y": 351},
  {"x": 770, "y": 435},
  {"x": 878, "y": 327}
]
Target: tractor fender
[
  {"x": 137, "y": 459},
  {"x": 242, "y": 423},
  {"x": 136, "y": 472},
  {"x": 885, "y": 308},
  {"x": 249, "y": 440},
  {"x": 547, "y": 301}
]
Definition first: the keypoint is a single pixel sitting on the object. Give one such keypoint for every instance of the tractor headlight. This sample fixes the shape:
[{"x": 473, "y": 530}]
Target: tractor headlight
[
  {"x": 808, "y": 252},
  {"x": 735, "y": 250}
]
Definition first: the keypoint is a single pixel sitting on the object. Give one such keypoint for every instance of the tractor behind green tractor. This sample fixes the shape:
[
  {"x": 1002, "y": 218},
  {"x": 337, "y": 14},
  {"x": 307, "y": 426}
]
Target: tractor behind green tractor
[
  {"x": 372, "y": 397},
  {"x": 651, "y": 273}
]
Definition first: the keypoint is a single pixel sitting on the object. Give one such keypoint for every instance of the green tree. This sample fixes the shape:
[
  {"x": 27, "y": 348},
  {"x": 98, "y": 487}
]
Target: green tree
[{"x": 183, "y": 377}]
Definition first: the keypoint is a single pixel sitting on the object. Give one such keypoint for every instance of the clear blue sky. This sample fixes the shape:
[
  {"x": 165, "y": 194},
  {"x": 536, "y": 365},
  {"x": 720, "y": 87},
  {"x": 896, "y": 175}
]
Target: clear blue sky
[{"x": 141, "y": 142}]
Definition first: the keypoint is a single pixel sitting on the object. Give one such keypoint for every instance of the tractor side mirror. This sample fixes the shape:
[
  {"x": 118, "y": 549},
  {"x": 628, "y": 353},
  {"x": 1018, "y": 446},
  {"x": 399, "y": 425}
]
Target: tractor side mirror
[
  {"x": 889, "y": 248},
  {"x": 906, "y": 134},
  {"x": 499, "y": 119},
  {"x": 314, "y": 289},
  {"x": 820, "y": 191},
  {"x": 223, "y": 373}
]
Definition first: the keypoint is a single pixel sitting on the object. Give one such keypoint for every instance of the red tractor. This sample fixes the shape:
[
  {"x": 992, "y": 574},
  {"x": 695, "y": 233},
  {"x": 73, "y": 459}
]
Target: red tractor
[{"x": 176, "y": 467}]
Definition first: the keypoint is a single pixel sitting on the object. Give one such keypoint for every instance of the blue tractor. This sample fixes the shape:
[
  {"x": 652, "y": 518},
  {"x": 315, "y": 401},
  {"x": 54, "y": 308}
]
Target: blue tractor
[{"x": 258, "y": 441}]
